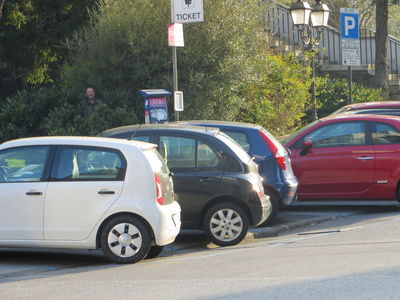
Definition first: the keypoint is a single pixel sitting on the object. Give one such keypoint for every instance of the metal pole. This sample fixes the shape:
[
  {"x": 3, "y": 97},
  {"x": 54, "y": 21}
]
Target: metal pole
[
  {"x": 175, "y": 77},
  {"x": 174, "y": 65},
  {"x": 313, "y": 96},
  {"x": 350, "y": 84}
]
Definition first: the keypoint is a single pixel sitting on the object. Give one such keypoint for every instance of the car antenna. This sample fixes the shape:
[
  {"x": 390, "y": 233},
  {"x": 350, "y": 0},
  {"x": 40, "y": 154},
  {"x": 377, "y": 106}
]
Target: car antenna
[{"x": 135, "y": 132}]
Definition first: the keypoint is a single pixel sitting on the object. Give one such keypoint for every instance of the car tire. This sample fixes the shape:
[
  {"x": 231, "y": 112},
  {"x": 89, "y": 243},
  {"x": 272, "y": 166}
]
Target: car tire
[
  {"x": 125, "y": 239},
  {"x": 154, "y": 252},
  {"x": 274, "y": 199},
  {"x": 226, "y": 224}
]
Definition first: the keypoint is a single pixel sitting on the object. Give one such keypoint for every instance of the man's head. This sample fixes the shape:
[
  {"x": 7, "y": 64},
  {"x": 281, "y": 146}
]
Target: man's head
[{"x": 90, "y": 94}]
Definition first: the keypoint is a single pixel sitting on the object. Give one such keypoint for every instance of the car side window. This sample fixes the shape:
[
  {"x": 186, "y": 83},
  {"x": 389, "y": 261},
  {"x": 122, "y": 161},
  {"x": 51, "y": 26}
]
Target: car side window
[
  {"x": 88, "y": 164},
  {"x": 384, "y": 134},
  {"x": 240, "y": 138},
  {"x": 181, "y": 152},
  {"x": 206, "y": 157},
  {"x": 338, "y": 135},
  {"x": 25, "y": 164}
]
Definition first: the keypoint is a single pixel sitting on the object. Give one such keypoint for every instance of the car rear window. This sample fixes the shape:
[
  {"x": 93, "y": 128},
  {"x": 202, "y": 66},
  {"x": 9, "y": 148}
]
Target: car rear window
[
  {"x": 160, "y": 168},
  {"x": 156, "y": 161},
  {"x": 239, "y": 151},
  {"x": 240, "y": 138}
]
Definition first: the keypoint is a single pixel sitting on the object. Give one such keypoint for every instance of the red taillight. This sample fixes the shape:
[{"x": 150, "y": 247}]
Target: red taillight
[
  {"x": 276, "y": 152},
  {"x": 160, "y": 197}
]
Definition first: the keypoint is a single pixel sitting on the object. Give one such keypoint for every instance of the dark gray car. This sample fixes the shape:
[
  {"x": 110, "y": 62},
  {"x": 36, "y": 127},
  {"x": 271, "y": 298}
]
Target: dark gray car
[{"x": 216, "y": 182}]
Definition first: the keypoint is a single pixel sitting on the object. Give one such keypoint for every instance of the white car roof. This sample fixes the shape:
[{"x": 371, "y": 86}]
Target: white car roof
[{"x": 76, "y": 140}]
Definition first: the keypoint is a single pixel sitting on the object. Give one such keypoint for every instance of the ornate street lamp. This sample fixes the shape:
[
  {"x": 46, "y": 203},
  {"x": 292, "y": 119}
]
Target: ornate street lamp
[{"x": 310, "y": 32}]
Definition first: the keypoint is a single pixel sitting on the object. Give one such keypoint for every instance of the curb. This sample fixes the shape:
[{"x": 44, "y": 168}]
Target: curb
[{"x": 265, "y": 232}]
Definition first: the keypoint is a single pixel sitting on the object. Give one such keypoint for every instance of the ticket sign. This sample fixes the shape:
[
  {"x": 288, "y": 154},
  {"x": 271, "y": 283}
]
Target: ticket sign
[
  {"x": 350, "y": 36},
  {"x": 187, "y": 11}
]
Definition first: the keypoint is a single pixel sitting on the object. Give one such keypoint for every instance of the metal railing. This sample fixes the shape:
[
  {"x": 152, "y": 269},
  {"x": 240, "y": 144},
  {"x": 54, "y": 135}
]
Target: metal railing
[{"x": 285, "y": 36}]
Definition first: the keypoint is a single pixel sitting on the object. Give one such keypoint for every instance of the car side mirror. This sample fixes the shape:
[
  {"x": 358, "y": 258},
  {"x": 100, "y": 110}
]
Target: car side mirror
[{"x": 307, "y": 145}]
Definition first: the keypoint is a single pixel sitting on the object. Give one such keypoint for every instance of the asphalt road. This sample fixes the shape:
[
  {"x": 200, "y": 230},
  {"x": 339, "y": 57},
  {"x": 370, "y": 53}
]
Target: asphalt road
[{"x": 354, "y": 256}]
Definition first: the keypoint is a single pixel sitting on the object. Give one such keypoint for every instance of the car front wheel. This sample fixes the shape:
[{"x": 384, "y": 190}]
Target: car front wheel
[
  {"x": 125, "y": 239},
  {"x": 226, "y": 224}
]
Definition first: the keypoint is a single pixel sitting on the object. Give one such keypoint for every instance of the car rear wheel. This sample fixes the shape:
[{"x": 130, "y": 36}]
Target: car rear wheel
[
  {"x": 154, "y": 252},
  {"x": 125, "y": 239},
  {"x": 226, "y": 224}
]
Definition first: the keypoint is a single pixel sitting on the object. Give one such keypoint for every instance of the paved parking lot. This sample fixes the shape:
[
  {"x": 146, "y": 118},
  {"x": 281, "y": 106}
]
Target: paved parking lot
[{"x": 20, "y": 264}]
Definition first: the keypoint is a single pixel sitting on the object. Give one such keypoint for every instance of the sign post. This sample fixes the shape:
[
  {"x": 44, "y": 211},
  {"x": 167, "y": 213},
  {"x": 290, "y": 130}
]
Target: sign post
[
  {"x": 182, "y": 11},
  {"x": 350, "y": 41}
]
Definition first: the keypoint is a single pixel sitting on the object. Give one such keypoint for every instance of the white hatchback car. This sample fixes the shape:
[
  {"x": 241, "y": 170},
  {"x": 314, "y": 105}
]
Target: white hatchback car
[{"x": 87, "y": 193}]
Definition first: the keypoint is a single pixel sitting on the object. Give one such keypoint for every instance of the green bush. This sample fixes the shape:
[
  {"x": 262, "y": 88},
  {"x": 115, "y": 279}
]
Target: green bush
[
  {"x": 67, "y": 120},
  {"x": 23, "y": 114},
  {"x": 279, "y": 97},
  {"x": 334, "y": 93}
]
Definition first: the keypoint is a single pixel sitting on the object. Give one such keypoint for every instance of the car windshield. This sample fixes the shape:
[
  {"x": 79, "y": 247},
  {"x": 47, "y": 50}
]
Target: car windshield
[
  {"x": 239, "y": 151},
  {"x": 288, "y": 138}
]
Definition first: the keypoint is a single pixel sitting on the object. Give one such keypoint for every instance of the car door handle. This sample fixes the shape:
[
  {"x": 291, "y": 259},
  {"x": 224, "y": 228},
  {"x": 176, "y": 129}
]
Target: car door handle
[
  {"x": 365, "y": 158},
  {"x": 207, "y": 179},
  {"x": 33, "y": 193},
  {"x": 104, "y": 192}
]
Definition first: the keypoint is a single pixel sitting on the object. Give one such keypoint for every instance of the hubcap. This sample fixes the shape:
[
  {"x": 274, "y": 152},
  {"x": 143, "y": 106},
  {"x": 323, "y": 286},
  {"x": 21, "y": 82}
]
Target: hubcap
[
  {"x": 124, "y": 240},
  {"x": 226, "y": 225}
]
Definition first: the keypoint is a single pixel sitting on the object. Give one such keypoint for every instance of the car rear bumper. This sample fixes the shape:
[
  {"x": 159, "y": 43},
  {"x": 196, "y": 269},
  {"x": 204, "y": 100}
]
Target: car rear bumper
[
  {"x": 287, "y": 191},
  {"x": 170, "y": 224},
  {"x": 263, "y": 212}
]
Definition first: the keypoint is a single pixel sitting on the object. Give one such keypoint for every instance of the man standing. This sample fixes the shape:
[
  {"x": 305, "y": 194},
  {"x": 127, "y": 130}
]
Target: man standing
[{"x": 91, "y": 103}]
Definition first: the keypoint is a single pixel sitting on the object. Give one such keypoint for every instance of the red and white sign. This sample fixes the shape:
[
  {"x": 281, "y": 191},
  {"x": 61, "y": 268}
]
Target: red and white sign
[{"x": 175, "y": 35}]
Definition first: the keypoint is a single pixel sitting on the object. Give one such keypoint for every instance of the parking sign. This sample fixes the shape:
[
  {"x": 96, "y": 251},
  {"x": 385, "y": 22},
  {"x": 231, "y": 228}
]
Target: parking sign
[
  {"x": 350, "y": 36},
  {"x": 349, "y": 23}
]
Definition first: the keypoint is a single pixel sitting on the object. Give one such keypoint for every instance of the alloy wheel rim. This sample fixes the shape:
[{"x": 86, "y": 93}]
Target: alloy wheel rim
[
  {"x": 124, "y": 240},
  {"x": 226, "y": 225}
]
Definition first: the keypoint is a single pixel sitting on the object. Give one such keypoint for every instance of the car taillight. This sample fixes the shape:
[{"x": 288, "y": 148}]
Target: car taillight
[
  {"x": 160, "y": 197},
  {"x": 276, "y": 152}
]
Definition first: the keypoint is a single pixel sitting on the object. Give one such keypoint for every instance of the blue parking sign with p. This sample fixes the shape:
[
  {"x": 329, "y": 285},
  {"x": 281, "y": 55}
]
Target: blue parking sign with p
[{"x": 349, "y": 25}]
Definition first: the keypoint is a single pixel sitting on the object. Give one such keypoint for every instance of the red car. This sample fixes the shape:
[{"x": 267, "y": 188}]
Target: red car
[
  {"x": 347, "y": 157},
  {"x": 388, "y": 105}
]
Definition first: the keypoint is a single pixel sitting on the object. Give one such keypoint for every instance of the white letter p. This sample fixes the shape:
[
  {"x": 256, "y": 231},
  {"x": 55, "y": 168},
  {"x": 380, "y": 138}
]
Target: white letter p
[{"x": 349, "y": 23}]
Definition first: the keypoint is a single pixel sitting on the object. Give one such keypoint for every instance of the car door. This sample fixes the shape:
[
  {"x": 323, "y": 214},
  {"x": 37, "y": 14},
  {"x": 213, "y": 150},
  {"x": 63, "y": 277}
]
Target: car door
[
  {"x": 85, "y": 182},
  {"x": 197, "y": 170},
  {"x": 24, "y": 172},
  {"x": 340, "y": 164},
  {"x": 386, "y": 140}
]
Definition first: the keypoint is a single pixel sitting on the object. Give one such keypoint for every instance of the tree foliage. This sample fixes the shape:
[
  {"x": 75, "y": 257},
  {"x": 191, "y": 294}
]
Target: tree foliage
[
  {"x": 333, "y": 93},
  {"x": 279, "y": 98},
  {"x": 126, "y": 49},
  {"x": 32, "y": 33}
]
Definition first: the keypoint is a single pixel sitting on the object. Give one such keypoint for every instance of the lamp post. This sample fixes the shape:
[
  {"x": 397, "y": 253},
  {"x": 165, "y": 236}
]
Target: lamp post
[{"x": 310, "y": 20}]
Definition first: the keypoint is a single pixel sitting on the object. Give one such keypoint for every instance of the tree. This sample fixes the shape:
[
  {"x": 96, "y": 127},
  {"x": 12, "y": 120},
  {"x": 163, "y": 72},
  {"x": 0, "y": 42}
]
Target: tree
[
  {"x": 1, "y": 7},
  {"x": 32, "y": 34},
  {"x": 381, "y": 37}
]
